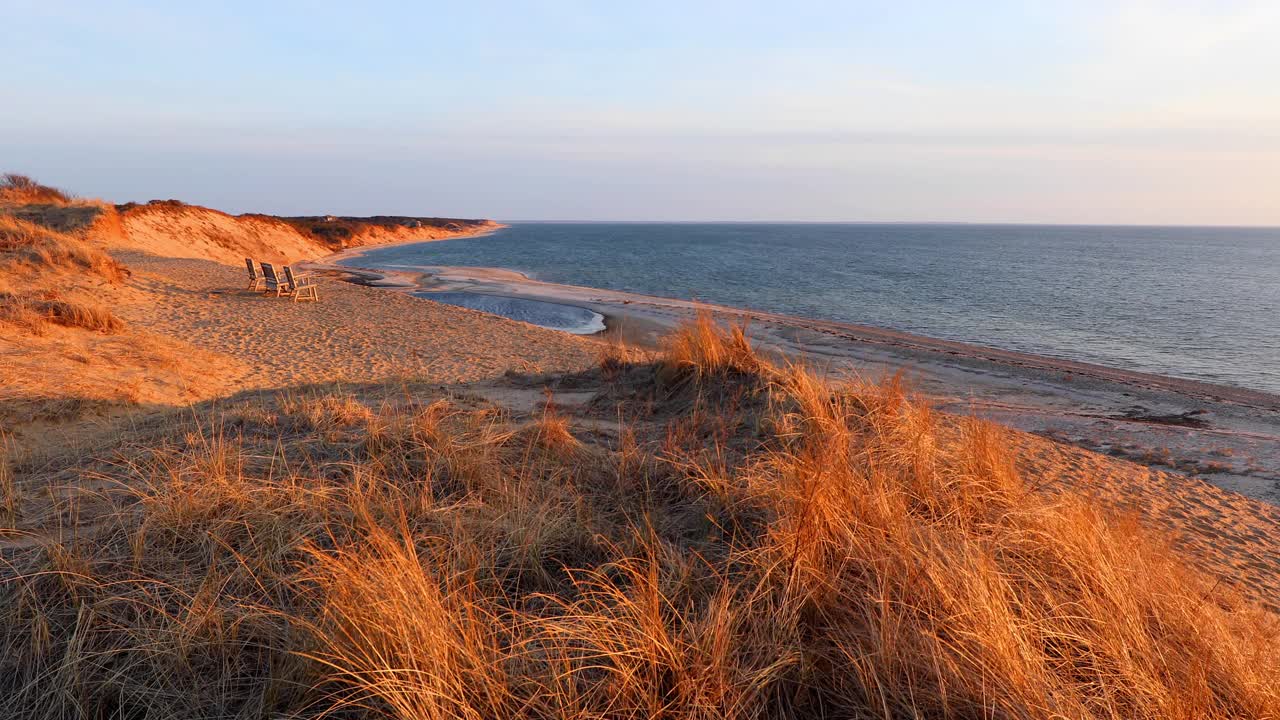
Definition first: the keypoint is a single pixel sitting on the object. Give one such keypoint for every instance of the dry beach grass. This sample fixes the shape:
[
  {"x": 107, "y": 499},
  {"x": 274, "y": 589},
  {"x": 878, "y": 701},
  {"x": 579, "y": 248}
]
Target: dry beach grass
[
  {"x": 710, "y": 535},
  {"x": 41, "y": 266},
  {"x": 21, "y": 189}
]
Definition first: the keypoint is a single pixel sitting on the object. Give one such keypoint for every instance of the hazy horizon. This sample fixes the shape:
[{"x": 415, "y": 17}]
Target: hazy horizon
[
  {"x": 1128, "y": 113},
  {"x": 625, "y": 221}
]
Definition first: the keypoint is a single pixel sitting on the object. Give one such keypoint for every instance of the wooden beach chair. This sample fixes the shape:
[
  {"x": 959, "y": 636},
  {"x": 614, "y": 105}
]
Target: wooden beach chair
[
  {"x": 274, "y": 283},
  {"x": 256, "y": 281},
  {"x": 302, "y": 287}
]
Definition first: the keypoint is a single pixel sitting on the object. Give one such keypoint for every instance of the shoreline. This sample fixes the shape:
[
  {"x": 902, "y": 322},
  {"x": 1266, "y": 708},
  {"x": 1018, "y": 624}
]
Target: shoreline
[
  {"x": 620, "y": 307},
  {"x": 1227, "y": 435}
]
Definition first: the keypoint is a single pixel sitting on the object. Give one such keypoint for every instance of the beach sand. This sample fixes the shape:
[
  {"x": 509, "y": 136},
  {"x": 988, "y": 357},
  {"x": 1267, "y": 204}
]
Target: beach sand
[{"x": 354, "y": 334}]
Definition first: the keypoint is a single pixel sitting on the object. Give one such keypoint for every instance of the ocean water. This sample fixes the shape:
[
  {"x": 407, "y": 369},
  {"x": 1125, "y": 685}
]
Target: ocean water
[{"x": 1198, "y": 303}]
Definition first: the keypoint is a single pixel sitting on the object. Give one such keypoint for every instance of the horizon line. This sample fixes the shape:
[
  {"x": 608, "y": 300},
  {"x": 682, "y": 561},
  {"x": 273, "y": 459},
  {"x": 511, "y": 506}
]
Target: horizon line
[{"x": 1026, "y": 223}]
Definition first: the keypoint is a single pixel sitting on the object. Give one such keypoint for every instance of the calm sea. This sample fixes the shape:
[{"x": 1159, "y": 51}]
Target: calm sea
[{"x": 1200, "y": 303}]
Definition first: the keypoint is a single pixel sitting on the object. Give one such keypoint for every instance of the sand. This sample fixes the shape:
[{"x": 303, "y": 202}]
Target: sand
[{"x": 354, "y": 334}]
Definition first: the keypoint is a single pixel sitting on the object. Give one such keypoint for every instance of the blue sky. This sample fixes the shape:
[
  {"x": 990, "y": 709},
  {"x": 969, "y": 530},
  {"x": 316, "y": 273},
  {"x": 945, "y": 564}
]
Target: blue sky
[{"x": 1017, "y": 112}]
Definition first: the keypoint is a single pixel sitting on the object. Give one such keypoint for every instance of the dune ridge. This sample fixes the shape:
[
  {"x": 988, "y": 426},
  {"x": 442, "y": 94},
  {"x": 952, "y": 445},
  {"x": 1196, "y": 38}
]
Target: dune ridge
[
  {"x": 697, "y": 534},
  {"x": 171, "y": 228}
]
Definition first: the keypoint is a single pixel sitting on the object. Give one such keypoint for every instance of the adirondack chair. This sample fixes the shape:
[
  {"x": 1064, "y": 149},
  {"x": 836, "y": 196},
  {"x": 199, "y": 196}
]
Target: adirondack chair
[
  {"x": 275, "y": 284},
  {"x": 256, "y": 280},
  {"x": 302, "y": 287}
]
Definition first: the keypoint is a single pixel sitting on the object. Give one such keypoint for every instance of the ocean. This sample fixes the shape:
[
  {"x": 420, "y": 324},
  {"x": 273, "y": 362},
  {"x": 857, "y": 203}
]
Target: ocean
[{"x": 1192, "y": 302}]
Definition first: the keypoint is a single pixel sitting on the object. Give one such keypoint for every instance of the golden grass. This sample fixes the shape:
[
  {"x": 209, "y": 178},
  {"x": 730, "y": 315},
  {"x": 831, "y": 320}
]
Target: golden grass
[
  {"x": 409, "y": 643},
  {"x": 35, "y": 311},
  {"x": 9, "y": 499},
  {"x": 703, "y": 348},
  {"x": 552, "y": 431},
  {"x": 787, "y": 548},
  {"x": 27, "y": 245},
  {"x": 326, "y": 412},
  {"x": 616, "y": 354}
]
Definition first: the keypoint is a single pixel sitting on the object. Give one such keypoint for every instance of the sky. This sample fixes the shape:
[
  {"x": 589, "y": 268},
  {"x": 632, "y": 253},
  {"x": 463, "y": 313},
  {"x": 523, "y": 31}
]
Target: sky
[{"x": 1066, "y": 112}]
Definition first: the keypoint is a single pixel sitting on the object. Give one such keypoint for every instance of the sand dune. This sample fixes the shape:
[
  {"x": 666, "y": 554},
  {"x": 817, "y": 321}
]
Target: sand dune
[{"x": 170, "y": 229}]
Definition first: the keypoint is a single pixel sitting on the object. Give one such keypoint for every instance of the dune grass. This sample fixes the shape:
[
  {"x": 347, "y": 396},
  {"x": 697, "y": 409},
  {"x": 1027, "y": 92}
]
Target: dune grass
[
  {"x": 35, "y": 311},
  {"x": 40, "y": 266},
  {"x": 28, "y": 247},
  {"x": 713, "y": 536}
]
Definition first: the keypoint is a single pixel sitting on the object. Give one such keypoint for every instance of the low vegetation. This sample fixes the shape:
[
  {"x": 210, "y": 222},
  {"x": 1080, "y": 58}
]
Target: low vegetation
[
  {"x": 36, "y": 311},
  {"x": 711, "y": 535},
  {"x": 20, "y": 189},
  {"x": 337, "y": 232},
  {"x": 27, "y": 248},
  {"x": 45, "y": 277}
]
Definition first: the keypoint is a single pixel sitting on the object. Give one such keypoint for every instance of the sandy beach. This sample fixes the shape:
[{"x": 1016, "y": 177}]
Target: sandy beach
[{"x": 354, "y": 333}]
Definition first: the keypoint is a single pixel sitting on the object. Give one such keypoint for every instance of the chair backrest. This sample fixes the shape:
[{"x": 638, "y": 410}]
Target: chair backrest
[
  {"x": 253, "y": 273},
  {"x": 270, "y": 272},
  {"x": 288, "y": 273}
]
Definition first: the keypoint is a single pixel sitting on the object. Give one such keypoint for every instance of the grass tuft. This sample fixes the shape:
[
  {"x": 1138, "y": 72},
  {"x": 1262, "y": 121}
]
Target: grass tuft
[
  {"x": 9, "y": 495},
  {"x": 406, "y": 635},
  {"x": 551, "y": 430},
  {"x": 34, "y": 312},
  {"x": 705, "y": 348}
]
